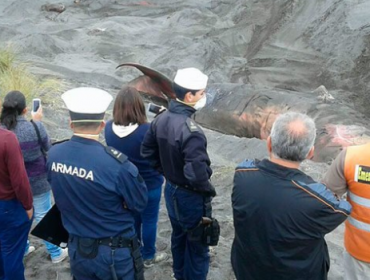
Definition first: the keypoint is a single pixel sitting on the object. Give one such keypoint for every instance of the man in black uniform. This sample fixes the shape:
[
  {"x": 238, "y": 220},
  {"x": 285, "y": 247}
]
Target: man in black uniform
[
  {"x": 96, "y": 190},
  {"x": 281, "y": 215},
  {"x": 177, "y": 146}
]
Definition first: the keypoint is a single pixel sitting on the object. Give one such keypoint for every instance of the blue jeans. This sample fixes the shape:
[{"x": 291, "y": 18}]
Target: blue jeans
[
  {"x": 185, "y": 210},
  {"x": 99, "y": 268},
  {"x": 146, "y": 224},
  {"x": 14, "y": 229},
  {"x": 42, "y": 204}
]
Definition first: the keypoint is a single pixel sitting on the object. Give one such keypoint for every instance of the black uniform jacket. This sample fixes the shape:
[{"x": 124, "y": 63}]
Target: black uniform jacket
[
  {"x": 281, "y": 217},
  {"x": 177, "y": 147}
]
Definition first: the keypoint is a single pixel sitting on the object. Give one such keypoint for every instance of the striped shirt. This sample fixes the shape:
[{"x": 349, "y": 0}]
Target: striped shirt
[{"x": 33, "y": 158}]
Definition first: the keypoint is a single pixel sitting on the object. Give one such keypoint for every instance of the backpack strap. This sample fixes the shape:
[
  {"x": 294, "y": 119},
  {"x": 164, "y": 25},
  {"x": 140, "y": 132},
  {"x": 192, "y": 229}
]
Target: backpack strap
[{"x": 39, "y": 138}]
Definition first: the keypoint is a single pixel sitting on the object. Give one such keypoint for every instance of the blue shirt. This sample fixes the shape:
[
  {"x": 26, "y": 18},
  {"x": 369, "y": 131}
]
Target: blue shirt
[
  {"x": 130, "y": 146},
  {"x": 95, "y": 191}
]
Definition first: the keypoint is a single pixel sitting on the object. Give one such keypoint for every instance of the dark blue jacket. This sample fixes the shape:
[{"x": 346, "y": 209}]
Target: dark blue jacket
[
  {"x": 95, "y": 188},
  {"x": 281, "y": 217},
  {"x": 177, "y": 146},
  {"x": 130, "y": 146}
]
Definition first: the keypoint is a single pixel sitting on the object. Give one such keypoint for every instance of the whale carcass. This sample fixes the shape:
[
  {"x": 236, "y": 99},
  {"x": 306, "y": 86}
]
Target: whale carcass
[{"x": 249, "y": 111}]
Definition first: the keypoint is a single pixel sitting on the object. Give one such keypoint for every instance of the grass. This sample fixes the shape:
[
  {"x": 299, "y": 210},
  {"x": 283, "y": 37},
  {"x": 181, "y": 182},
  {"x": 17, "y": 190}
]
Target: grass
[{"x": 15, "y": 75}]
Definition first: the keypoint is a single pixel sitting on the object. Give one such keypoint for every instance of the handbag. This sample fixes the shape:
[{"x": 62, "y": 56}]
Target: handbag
[{"x": 44, "y": 153}]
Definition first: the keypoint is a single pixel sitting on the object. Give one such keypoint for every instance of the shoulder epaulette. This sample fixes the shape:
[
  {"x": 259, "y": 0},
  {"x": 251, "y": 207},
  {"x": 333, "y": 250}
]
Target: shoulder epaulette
[
  {"x": 59, "y": 142},
  {"x": 116, "y": 154},
  {"x": 193, "y": 127},
  {"x": 247, "y": 164}
]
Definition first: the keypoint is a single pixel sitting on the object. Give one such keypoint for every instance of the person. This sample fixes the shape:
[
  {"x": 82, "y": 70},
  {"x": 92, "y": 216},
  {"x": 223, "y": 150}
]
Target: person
[
  {"x": 126, "y": 133},
  {"x": 16, "y": 210},
  {"x": 96, "y": 190},
  {"x": 12, "y": 117},
  {"x": 350, "y": 172},
  {"x": 281, "y": 215},
  {"x": 177, "y": 146}
]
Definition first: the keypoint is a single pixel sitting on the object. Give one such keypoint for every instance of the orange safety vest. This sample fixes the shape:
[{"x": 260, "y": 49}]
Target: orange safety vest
[{"x": 357, "y": 175}]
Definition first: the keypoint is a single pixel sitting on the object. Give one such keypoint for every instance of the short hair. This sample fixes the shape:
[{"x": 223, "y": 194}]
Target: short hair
[
  {"x": 129, "y": 107},
  {"x": 181, "y": 91},
  {"x": 292, "y": 136},
  {"x": 84, "y": 126}
]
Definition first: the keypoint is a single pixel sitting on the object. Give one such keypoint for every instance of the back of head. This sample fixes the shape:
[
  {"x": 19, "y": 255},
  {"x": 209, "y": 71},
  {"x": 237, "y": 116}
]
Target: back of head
[
  {"x": 189, "y": 80},
  {"x": 129, "y": 107},
  {"x": 13, "y": 106},
  {"x": 292, "y": 136}
]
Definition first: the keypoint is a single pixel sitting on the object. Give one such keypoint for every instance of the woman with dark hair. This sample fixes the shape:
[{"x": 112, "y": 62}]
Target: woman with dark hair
[
  {"x": 33, "y": 147},
  {"x": 126, "y": 133}
]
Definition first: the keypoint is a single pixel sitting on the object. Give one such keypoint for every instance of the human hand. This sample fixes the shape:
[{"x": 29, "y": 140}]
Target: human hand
[
  {"x": 30, "y": 213},
  {"x": 37, "y": 116}
]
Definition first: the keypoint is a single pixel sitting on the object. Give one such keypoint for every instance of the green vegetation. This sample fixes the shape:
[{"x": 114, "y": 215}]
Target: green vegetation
[{"x": 15, "y": 75}]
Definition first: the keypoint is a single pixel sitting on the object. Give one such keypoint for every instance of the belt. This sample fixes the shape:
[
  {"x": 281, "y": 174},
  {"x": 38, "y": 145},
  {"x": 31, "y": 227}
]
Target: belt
[
  {"x": 113, "y": 242},
  {"x": 117, "y": 242},
  {"x": 191, "y": 189}
]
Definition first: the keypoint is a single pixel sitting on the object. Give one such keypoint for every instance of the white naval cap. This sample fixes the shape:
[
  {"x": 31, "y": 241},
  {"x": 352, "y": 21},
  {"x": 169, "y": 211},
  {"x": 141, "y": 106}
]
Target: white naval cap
[
  {"x": 87, "y": 104},
  {"x": 191, "y": 78}
]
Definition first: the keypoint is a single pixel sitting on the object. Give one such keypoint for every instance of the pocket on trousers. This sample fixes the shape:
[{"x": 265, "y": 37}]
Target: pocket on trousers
[
  {"x": 188, "y": 209},
  {"x": 87, "y": 248}
]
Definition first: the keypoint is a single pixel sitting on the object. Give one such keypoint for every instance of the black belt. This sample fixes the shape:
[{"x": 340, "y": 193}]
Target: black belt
[
  {"x": 113, "y": 242},
  {"x": 191, "y": 189},
  {"x": 117, "y": 242}
]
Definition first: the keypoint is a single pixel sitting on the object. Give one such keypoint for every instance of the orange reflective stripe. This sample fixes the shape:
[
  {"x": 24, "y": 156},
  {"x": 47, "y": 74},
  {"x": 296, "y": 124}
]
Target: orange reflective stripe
[
  {"x": 358, "y": 224},
  {"x": 359, "y": 200},
  {"x": 359, "y": 212}
]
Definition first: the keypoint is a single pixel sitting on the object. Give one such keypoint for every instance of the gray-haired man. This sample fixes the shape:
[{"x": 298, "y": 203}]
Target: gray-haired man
[{"x": 280, "y": 214}]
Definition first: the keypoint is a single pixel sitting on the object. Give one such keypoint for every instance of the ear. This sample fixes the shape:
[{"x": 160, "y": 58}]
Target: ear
[
  {"x": 103, "y": 123},
  {"x": 311, "y": 153},
  {"x": 71, "y": 124},
  {"x": 25, "y": 110},
  {"x": 188, "y": 98},
  {"x": 269, "y": 145}
]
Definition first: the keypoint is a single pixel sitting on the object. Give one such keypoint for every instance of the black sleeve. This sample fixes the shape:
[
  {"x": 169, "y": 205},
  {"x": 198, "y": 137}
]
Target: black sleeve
[
  {"x": 196, "y": 161},
  {"x": 150, "y": 149}
]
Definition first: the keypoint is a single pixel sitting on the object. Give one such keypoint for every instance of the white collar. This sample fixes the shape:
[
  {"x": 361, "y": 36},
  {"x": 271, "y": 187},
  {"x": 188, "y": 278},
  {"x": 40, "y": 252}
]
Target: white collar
[{"x": 123, "y": 131}]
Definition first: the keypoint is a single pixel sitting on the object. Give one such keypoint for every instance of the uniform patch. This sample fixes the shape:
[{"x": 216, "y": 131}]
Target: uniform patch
[
  {"x": 191, "y": 125},
  {"x": 72, "y": 170},
  {"x": 116, "y": 154},
  {"x": 362, "y": 174}
]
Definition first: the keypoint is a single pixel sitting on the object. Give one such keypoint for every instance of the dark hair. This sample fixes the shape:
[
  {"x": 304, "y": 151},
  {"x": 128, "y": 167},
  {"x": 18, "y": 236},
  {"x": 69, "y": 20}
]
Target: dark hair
[
  {"x": 129, "y": 107},
  {"x": 13, "y": 106},
  {"x": 86, "y": 125},
  {"x": 181, "y": 91}
]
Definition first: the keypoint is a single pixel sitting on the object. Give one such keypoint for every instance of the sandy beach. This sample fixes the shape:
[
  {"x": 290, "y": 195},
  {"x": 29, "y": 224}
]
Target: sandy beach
[{"x": 294, "y": 45}]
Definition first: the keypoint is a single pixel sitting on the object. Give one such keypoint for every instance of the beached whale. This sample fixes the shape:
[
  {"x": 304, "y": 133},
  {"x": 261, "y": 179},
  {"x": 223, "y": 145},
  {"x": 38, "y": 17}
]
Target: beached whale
[{"x": 249, "y": 111}]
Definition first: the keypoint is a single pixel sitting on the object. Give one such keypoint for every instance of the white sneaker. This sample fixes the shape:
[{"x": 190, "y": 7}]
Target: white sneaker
[
  {"x": 29, "y": 251},
  {"x": 157, "y": 258},
  {"x": 62, "y": 257}
]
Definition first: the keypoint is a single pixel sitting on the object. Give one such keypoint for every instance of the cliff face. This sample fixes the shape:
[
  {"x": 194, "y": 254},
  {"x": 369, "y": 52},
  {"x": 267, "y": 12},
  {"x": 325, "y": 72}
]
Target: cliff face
[{"x": 287, "y": 44}]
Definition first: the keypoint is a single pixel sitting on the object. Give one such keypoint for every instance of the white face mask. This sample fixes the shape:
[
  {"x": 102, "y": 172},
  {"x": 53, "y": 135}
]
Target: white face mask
[{"x": 200, "y": 103}]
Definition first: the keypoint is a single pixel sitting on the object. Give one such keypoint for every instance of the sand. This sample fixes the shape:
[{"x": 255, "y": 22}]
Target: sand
[{"x": 293, "y": 45}]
